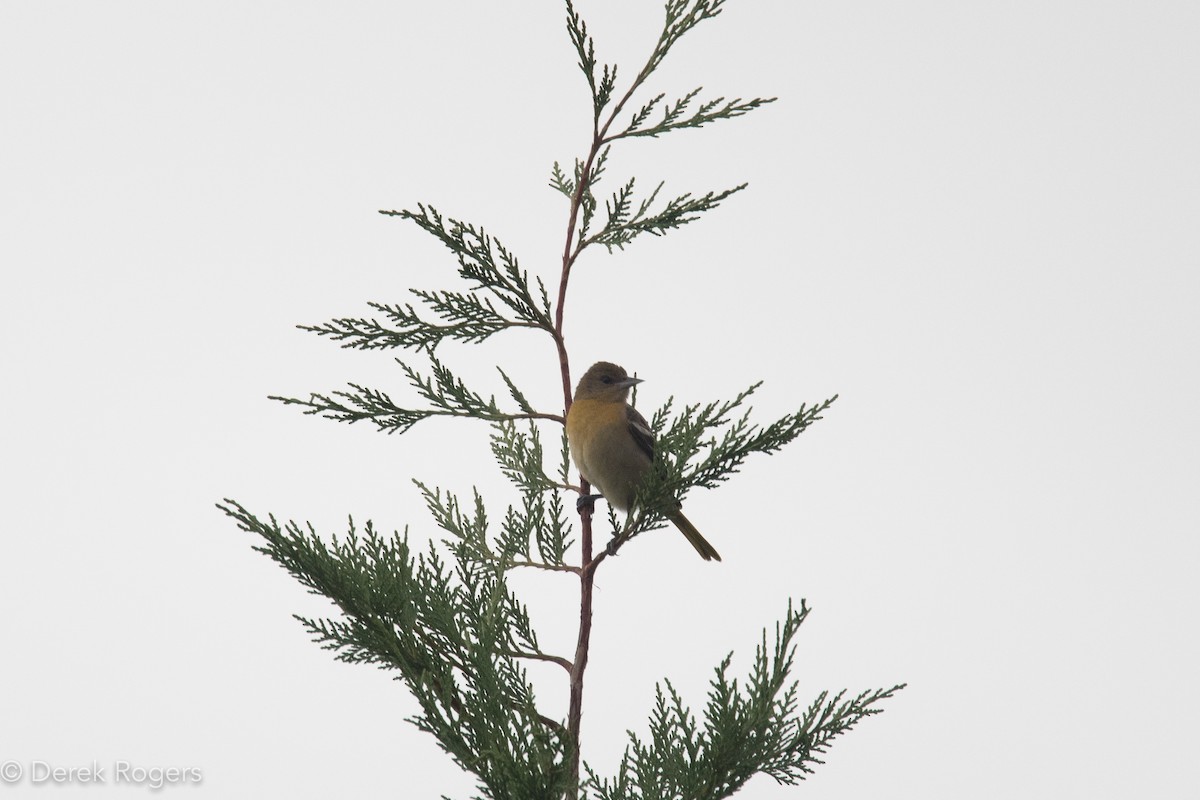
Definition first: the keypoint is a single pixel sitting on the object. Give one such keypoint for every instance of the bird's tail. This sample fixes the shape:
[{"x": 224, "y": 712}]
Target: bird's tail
[{"x": 706, "y": 550}]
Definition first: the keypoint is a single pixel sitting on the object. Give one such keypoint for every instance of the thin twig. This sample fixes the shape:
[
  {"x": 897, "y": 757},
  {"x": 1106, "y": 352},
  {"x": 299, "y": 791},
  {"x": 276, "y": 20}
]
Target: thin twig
[
  {"x": 553, "y": 725},
  {"x": 562, "y": 662},
  {"x": 545, "y": 566}
]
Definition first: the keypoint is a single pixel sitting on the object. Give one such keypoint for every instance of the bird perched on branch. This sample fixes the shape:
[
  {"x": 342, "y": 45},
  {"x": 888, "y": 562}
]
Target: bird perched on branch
[{"x": 613, "y": 446}]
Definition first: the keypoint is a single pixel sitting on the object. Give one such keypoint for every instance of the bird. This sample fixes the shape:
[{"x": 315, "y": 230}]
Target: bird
[{"x": 613, "y": 446}]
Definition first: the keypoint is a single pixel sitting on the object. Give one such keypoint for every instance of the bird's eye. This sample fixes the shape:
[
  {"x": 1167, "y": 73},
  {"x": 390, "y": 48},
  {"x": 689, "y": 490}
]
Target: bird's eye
[{"x": 606, "y": 379}]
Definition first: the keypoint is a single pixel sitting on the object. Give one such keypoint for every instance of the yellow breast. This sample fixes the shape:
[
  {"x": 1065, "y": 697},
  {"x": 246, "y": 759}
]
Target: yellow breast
[{"x": 604, "y": 450}]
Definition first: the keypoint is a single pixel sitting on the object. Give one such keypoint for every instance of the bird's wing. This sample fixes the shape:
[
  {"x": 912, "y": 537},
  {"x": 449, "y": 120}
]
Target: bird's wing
[{"x": 639, "y": 429}]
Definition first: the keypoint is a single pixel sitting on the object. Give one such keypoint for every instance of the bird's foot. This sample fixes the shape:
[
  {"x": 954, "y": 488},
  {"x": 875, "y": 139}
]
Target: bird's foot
[
  {"x": 613, "y": 544},
  {"x": 587, "y": 501}
]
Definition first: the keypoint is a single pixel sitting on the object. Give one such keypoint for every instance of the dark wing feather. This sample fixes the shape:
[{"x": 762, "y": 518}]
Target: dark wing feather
[{"x": 639, "y": 429}]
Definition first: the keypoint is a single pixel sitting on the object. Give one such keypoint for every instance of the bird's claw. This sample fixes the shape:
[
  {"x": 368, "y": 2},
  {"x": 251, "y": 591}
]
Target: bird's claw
[{"x": 587, "y": 501}]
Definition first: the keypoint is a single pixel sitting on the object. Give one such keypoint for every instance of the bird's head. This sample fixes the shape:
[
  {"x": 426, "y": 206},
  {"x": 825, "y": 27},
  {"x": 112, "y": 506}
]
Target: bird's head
[{"x": 605, "y": 381}]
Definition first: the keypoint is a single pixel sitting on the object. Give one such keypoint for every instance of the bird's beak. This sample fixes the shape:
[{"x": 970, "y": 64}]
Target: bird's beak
[{"x": 625, "y": 384}]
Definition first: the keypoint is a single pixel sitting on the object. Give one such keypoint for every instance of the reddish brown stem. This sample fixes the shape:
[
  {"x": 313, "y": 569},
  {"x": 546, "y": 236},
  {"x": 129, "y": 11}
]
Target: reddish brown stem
[
  {"x": 579, "y": 664},
  {"x": 587, "y": 568},
  {"x": 575, "y": 713}
]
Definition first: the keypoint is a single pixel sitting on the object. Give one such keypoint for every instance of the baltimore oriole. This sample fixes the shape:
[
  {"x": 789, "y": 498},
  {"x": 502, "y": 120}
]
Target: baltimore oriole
[{"x": 613, "y": 446}]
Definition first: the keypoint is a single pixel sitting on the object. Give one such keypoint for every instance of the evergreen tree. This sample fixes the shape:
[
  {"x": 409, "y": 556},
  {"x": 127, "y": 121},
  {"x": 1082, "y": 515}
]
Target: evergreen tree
[{"x": 444, "y": 617}]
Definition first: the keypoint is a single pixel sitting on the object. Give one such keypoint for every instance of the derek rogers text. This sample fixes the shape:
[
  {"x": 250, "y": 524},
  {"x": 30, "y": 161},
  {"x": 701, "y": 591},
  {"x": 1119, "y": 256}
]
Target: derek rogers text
[{"x": 123, "y": 772}]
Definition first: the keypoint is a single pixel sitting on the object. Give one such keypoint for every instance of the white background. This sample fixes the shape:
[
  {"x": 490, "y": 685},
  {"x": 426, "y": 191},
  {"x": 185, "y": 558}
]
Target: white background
[{"x": 976, "y": 222}]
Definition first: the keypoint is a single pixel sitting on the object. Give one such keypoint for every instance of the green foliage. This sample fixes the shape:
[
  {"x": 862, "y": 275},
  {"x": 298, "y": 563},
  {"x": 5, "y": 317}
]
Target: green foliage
[
  {"x": 624, "y": 223},
  {"x": 743, "y": 732},
  {"x": 680, "y": 16},
  {"x": 453, "y": 631},
  {"x": 445, "y": 393},
  {"x": 486, "y": 264},
  {"x": 468, "y": 316},
  {"x": 454, "y": 636},
  {"x": 602, "y": 84},
  {"x": 679, "y": 114},
  {"x": 702, "y": 446}
]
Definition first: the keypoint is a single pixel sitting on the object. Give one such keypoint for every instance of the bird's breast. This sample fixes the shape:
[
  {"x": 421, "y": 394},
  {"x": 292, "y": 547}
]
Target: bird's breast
[{"x": 605, "y": 451}]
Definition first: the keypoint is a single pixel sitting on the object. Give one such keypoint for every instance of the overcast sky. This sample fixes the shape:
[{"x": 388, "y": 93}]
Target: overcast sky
[{"x": 974, "y": 222}]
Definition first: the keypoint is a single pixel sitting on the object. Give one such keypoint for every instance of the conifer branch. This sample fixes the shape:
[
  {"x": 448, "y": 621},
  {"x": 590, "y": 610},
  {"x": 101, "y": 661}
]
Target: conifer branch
[
  {"x": 486, "y": 264},
  {"x": 690, "y": 454},
  {"x": 746, "y": 729},
  {"x": 676, "y": 116},
  {"x": 625, "y": 224},
  {"x": 545, "y": 566},
  {"x": 446, "y": 633},
  {"x": 517, "y": 395},
  {"x": 520, "y": 456},
  {"x": 560, "y": 181},
  {"x": 679, "y": 18},
  {"x": 685, "y": 438},
  {"x": 470, "y": 319},
  {"x": 454, "y": 631},
  {"x": 562, "y": 662},
  {"x": 601, "y": 85},
  {"x": 363, "y": 403},
  {"x": 358, "y": 404},
  {"x": 447, "y": 395}
]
